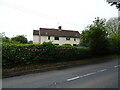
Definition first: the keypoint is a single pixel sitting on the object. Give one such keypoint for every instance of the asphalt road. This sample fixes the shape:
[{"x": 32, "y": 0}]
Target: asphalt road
[{"x": 102, "y": 75}]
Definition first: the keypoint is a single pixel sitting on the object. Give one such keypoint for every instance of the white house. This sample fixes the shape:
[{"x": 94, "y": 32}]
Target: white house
[{"x": 56, "y": 36}]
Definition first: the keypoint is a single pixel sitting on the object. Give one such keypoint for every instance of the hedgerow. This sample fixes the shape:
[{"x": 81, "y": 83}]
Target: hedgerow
[{"x": 31, "y": 54}]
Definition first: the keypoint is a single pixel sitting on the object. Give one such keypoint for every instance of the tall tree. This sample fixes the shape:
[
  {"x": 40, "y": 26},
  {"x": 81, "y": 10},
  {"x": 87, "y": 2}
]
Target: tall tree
[
  {"x": 113, "y": 25},
  {"x": 5, "y": 39},
  {"x": 84, "y": 40},
  {"x": 2, "y": 34},
  {"x": 96, "y": 37},
  {"x": 20, "y": 38},
  {"x": 114, "y": 42}
]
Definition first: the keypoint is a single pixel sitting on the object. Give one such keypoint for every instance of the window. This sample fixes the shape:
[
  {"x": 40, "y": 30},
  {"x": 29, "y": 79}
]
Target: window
[
  {"x": 56, "y": 38},
  {"x": 74, "y": 45},
  {"x": 67, "y": 38},
  {"x": 48, "y": 37},
  {"x": 74, "y": 39}
]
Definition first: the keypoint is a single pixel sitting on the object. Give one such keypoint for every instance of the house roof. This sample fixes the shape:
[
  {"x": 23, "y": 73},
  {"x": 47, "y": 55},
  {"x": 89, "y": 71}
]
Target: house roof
[{"x": 56, "y": 32}]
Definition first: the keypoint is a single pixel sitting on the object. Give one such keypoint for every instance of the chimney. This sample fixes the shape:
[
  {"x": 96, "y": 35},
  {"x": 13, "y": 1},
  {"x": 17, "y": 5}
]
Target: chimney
[{"x": 60, "y": 27}]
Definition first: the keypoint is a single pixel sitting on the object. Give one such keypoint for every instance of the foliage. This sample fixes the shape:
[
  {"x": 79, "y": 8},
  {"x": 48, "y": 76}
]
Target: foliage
[
  {"x": 30, "y": 54},
  {"x": 5, "y": 39},
  {"x": 48, "y": 45},
  {"x": 113, "y": 25},
  {"x": 114, "y": 43},
  {"x": 84, "y": 40},
  {"x": 30, "y": 42},
  {"x": 2, "y": 34},
  {"x": 20, "y": 38},
  {"x": 96, "y": 37}
]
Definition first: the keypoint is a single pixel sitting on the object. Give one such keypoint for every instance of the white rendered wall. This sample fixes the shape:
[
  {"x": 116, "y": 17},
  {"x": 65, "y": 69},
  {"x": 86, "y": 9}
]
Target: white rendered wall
[
  {"x": 36, "y": 39},
  {"x": 61, "y": 41}
]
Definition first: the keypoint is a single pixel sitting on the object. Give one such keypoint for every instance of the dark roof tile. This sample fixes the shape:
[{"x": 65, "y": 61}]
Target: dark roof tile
[
  {"x": 56, "y": 32},
  {"x": 35, "y": 32}
]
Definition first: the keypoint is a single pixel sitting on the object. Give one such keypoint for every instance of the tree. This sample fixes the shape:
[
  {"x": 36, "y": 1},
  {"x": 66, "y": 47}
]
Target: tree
[
  {"x": 113, "y": 25},
  {"x": 114, "y": 2},
  {"x": 96, "y": 36},
  {"x": 2, "y": 34},
  {"x": 84, "y": 40},
  {"x": 20, "y": 38},
  {"x": 114, "y": 42},
  {"x": 5, "y": 39},
  {"x": 30, "y": 42}
]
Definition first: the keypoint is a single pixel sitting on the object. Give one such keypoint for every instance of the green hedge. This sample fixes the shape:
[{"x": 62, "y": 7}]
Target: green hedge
[{"x": 30, "y": 54}]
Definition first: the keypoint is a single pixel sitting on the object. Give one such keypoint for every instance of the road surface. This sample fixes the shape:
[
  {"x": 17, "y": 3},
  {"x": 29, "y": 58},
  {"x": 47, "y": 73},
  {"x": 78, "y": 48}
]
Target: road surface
[{"x": 102, "y": 75}]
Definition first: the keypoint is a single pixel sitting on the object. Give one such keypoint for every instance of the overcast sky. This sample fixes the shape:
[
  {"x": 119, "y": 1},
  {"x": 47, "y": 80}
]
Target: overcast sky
[{"x": 20, "y": 17}]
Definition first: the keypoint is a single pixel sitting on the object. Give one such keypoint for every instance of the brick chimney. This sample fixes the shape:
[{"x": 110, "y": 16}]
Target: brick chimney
[{"x": 60, "y": 27}]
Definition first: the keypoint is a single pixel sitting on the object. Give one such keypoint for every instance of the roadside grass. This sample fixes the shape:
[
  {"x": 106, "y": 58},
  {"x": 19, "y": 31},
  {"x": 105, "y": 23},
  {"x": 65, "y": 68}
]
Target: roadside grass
[{"x": 17, "y": 71}]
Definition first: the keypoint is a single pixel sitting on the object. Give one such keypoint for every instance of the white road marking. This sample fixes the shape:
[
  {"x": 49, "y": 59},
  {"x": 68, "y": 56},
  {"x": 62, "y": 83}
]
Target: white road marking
[
  {"x": 73, "y": 78},
  {"x": 55, "y": 83},
  {"x": 116, "y": 66},
  {"x": 90, "y": 73},
  {"x": 80, "y": 76},
  {"x": 102, "y": 70}
]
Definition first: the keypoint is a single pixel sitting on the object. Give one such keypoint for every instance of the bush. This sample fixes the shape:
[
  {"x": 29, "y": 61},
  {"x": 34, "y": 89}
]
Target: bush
[
  {"x": 30, "y": 54},
  {"x": 96, "y": 37},
  {"x": 114, "y": 43},
  {"x": 48, "y": 45}
]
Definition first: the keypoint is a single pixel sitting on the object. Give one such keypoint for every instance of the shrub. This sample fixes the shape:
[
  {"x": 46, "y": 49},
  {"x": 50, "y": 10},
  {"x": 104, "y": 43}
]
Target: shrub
[
  {"x": 30, "y": 54},
  {"x": 96, "y": 37},
  {"x": 48, "y": 45},
  {"x": 114, "y": 43}
]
